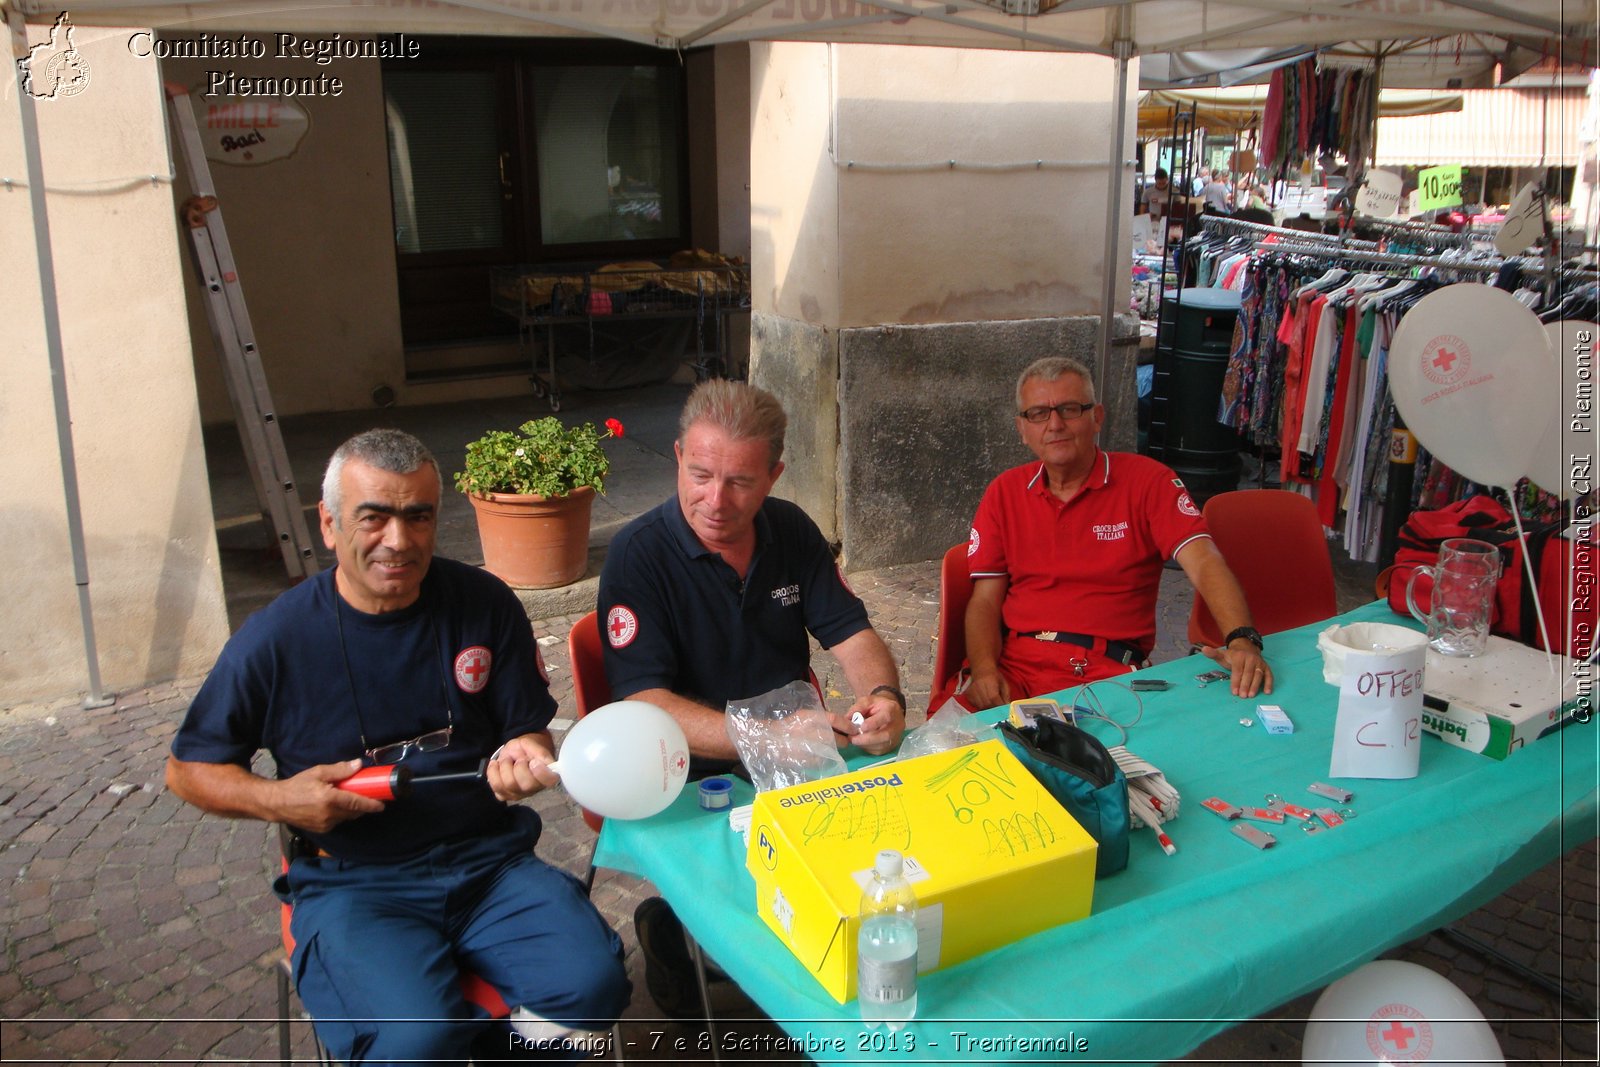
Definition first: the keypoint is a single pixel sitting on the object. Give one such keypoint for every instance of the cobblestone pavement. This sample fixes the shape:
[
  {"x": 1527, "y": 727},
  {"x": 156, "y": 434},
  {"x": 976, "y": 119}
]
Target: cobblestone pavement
[{"x": 138, "y": 931}]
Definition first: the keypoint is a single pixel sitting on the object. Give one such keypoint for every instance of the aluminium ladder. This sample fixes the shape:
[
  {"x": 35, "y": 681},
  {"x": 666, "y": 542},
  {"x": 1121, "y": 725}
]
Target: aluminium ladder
[{"x": 236, "y": 345}]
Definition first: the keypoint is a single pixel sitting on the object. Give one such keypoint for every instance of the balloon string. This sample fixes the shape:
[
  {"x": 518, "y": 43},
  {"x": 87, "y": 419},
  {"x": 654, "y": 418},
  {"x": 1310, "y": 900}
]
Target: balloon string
[{"x": 1533, "y": 583}]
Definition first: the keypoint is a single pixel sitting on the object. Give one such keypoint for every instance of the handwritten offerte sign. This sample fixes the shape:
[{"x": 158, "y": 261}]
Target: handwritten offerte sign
[{"x": 1378, "y": 731}]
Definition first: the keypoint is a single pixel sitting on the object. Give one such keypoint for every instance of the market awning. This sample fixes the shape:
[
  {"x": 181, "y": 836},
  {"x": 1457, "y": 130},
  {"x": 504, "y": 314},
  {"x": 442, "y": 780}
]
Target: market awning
[
  {"x": 1239, "y": 108},
  {"x": 1448, "y": 44},
  {"x": 1495, "y": 128}
]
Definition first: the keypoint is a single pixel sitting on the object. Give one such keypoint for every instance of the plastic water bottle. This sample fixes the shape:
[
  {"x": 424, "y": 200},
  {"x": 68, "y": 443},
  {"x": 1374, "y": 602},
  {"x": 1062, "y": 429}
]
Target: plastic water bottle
[{"x": 886, "y": 950}]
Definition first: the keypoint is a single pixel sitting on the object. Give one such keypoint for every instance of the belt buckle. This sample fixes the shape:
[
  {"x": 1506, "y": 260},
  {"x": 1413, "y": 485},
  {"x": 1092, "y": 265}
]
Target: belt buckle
[{"x": 1046, "y": 635}]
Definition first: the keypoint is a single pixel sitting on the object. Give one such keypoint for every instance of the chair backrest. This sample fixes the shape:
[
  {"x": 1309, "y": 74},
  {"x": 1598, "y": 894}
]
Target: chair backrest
[
  {"x": 1274, "y": 544},
  {"x": 950, "y": 646},
  {"x": 590, "y": 689}
]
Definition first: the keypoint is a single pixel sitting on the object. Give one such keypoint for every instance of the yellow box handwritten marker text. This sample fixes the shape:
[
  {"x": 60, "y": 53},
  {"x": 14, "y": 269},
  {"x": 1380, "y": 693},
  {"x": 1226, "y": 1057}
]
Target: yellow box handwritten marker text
[{"x": 991, "y": 853}]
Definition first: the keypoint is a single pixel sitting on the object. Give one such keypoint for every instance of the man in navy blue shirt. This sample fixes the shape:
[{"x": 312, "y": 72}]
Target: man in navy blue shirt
[
  {"x": 398, "y": 657},
  {"x": 713, "y": 596}
]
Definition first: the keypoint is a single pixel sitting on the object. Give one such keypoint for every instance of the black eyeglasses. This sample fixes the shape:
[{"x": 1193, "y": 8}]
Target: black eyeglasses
[
  {"x": 433, "y": 741},
  {"x": 1068, "y": 411}
]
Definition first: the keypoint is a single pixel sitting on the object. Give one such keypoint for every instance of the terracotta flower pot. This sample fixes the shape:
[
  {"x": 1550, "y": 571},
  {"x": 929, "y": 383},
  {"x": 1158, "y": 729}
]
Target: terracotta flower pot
[{"x": 534, "y": 542}]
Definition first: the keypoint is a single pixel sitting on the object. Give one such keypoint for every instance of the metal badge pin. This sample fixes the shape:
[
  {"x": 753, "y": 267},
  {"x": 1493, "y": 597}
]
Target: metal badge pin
[
  {"x": 1258, "y": 838},
  {"x": 1332, "y": 792},
  {"x": 1221, "y": 807},
  {"x": 1294, "y": 811}
]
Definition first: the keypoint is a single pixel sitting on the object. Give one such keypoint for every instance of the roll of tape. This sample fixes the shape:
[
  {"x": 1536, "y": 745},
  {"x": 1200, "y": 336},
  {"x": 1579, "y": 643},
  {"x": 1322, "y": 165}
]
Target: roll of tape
[{"x": 716, "y": 794}]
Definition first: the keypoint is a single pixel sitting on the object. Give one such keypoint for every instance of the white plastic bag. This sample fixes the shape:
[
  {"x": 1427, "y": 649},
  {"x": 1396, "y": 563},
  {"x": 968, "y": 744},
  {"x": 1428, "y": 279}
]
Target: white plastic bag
[
  {"x": 947, "y": 729},
  {"x": 784, "y": 737}
]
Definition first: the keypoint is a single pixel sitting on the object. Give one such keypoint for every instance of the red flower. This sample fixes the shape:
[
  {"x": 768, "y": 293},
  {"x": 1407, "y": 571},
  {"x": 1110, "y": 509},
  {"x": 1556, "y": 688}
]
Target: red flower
[{"x": 615, "y": 427}]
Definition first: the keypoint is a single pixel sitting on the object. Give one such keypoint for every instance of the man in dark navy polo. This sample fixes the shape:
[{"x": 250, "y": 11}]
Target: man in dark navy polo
[{"x": 711, "y": 596}]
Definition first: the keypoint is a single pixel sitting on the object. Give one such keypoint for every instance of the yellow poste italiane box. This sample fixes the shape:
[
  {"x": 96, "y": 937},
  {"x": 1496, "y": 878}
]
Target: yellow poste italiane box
[{"x": 992, "y": 855}]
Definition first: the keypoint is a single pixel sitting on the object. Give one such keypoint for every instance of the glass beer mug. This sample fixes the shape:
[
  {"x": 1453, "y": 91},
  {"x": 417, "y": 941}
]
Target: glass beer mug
[{"x": 1464, "y": 580}]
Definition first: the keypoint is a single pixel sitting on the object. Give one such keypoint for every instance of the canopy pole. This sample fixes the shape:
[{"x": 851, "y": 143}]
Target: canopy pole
[
  {"x": 1117, "y": 166},
  {"x": 97, "y": 697}
]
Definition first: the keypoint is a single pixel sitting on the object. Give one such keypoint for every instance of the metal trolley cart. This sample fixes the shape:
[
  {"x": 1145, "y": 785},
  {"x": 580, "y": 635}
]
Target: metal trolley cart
[{"x": 609, "y": 302}]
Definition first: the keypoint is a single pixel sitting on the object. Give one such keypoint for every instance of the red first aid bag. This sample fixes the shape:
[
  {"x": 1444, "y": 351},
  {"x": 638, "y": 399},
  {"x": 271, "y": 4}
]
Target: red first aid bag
[{"x": 1565, "y": 570}]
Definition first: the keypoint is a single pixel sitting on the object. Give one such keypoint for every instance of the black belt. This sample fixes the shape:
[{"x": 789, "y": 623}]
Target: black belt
[{"x": 1118, "y": 651}]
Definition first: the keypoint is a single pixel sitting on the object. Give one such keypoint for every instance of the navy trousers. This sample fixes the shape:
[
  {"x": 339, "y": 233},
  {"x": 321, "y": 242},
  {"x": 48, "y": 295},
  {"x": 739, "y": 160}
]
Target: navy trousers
[{"x": 379, "y": 947}]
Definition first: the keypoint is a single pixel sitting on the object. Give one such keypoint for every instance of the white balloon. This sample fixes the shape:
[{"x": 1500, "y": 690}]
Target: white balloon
[
  {"x": 625, "y": 760},
  {"x": 1562, "y": 459},
  {"x": 1465, "y": 368},
  {"x": 1390, "y": 1011}
]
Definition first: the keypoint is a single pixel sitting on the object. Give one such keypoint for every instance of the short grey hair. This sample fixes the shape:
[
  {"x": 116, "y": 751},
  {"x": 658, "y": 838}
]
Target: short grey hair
[
  {"x": 1050, "y": 368},
  {"x": 742, "y": 411},
  {"x": 388, "y": 450}
]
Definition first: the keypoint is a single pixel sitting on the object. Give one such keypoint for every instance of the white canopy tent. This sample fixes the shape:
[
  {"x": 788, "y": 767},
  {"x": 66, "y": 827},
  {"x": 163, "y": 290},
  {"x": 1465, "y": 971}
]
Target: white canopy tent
[{"x": 1423, "y": 44}]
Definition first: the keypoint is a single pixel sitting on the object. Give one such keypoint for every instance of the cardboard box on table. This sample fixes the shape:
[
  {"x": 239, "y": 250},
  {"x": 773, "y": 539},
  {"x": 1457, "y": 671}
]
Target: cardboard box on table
[
  {"x": 1497, "y": 702},
  {"x": 992, "y": 855}
]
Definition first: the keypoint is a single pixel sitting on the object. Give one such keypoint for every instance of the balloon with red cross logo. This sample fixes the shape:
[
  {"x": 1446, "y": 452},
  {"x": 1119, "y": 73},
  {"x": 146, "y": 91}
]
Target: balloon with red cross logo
[
  {"x": 1562, "y": 459},
  {"x": 624, "y": 760},
  {"x": 1472, "y": 374},
  {"x": 1391, "y": 1011}
]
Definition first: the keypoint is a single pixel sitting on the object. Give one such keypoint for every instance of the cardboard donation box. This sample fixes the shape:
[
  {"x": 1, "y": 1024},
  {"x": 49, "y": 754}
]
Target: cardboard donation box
[
  {"x": 992, "y": 855},
  {"x": 1500, "y": 701}
]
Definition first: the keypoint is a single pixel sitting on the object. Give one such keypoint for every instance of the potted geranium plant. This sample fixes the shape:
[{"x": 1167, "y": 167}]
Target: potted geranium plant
[{"x": 532, "y": 491}]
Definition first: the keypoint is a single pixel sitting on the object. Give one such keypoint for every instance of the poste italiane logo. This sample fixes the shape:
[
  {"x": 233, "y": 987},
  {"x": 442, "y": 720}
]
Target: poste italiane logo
[{"x": 55, "y": 69}]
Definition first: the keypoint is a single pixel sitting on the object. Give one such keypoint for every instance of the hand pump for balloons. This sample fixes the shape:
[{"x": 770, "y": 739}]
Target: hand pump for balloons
[
  {"x": 395, "y": 780},
  {"x": 626, "y": 760}
]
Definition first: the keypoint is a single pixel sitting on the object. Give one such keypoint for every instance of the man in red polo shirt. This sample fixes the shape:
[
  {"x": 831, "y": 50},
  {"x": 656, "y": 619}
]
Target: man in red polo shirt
[{"x": 1066, "y": 556}]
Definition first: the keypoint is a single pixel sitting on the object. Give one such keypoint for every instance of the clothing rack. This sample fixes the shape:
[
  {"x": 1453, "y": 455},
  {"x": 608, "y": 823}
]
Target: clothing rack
[
  {"x": 1392, "y": 258},
  {"x": 1436, "y": 235},
  {"x": 1227, "y": 223}
]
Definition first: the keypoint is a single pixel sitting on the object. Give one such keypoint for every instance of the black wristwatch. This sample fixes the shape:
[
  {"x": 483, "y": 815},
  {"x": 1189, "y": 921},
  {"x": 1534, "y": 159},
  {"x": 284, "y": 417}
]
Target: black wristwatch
[
  {"x": 1249, "y": 633},
  {"x": 899, "y": 697}
]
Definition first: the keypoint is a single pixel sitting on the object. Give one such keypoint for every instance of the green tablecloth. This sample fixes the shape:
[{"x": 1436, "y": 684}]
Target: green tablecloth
[{"x": 1177, "y": 948}]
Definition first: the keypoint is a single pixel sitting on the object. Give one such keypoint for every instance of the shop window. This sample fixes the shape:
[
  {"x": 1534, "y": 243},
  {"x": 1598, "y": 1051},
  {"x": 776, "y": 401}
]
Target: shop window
[{"x": 533, "y": 152}]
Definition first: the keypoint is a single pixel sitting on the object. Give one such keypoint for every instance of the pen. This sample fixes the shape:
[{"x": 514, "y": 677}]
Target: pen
[{"x": 1166, "y": 842}]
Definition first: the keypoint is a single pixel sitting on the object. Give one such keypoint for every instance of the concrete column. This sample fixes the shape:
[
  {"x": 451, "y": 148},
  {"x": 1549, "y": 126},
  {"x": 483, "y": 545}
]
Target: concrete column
[{"x": 896, "y": 296}]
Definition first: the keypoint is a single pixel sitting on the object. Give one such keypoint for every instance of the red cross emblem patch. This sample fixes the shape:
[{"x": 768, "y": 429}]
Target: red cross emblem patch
[
  {"x": 1446, "y": 359},
  {"x": 472, "y": 669},
  {"x": 1399, "y": 1033},
  {"x": 622, "y": 626},
  {"x": 1186, "y": 505}
]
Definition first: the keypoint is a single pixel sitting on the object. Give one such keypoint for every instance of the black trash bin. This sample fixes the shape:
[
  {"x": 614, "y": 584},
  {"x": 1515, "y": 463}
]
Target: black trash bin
[{"x": 1193, "y": 337}]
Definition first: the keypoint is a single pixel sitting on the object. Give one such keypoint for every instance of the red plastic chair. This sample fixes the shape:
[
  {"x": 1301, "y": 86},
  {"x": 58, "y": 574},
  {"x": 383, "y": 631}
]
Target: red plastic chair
[
  {"x": 1273, "y": 542},
  {"x": 590, "y": 689},
  {"x": 950, "y": 646}
]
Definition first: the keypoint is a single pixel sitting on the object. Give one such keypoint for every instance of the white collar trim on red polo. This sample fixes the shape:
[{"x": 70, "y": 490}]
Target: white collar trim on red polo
[{"x": 1105, "y": 478}]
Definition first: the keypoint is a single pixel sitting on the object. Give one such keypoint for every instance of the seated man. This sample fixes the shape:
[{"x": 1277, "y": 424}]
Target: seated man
[
  {"x": 1067, "y": 554},
  {"x": 393, "y": 657},
  {"x": 1157, "y": 194},
  {"x": 713, "y": 596}
]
